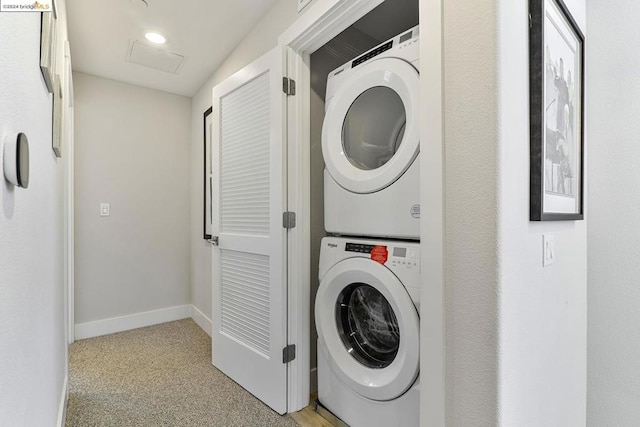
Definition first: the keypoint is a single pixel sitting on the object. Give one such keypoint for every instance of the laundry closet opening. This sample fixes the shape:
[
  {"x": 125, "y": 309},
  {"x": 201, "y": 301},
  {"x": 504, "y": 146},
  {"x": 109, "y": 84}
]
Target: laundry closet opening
[{"x": 388, "y": 20}]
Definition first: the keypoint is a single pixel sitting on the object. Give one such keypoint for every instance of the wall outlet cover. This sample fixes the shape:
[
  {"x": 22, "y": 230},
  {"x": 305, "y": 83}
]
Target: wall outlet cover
[
  {"x": 548, "y": 250},
  {"x": 105, "y": 209}
]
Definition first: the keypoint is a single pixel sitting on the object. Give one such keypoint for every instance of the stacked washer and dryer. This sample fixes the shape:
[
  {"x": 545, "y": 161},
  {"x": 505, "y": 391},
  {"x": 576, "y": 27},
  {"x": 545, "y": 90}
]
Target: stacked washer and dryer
[{"x": 367, "y": 305}]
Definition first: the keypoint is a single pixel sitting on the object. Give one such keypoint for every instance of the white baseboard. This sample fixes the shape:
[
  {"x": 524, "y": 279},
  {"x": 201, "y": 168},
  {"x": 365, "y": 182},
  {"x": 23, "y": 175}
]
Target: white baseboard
[
  {"x": 64, "y": 398},
  {"x": 132, "y": 321},
  {"x": 201, "y": 320},
  {"x": 313, "y": 383}
]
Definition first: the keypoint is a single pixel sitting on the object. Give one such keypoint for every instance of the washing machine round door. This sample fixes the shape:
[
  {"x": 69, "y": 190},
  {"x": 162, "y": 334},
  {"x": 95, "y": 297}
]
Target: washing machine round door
[
  {"x": 370, "y": 134},
  {"x": 369, "y": 327}
]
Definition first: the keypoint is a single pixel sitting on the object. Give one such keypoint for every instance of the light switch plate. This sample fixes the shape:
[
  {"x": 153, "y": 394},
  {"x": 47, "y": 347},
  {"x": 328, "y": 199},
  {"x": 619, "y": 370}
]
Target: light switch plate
[
  {"x": 105, "y": 209},
  {"x": 548, "y": 250},
  {"x": 302, "y": 4}
]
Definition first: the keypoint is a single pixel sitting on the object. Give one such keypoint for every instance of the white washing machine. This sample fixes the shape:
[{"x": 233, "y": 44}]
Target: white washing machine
[
  {"x": 371, "y": 142},
  {"x": 369, "y": 331}
]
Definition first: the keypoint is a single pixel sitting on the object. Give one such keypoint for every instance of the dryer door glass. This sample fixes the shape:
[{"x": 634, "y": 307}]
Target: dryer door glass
[
  {"x": 367, "y": 325},
  {"x": 373, "y": 128}
]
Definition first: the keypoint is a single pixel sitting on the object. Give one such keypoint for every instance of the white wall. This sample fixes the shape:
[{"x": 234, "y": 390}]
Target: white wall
[
  {"x": 260, "y": 40},
  {"x": 515, "y": 331},
  {"x": 613, "y": 90},
  {"x": 33, "y": 346},
  {"x": 132, "y": 151},
  {"x": 541, "y": 311}
]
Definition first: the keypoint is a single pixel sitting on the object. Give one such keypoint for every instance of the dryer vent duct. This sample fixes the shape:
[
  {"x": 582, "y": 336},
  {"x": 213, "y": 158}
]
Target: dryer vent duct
[{"x": 152, "y": 57}]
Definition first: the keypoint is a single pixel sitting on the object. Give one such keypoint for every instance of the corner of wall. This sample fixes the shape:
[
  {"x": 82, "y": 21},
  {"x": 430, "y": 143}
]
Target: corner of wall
[{"x": 471, "y": 218}]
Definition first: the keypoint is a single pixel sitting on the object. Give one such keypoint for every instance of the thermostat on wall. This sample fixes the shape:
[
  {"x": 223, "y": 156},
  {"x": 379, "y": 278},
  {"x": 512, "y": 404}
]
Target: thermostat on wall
[{"x": 16, "y": 159}]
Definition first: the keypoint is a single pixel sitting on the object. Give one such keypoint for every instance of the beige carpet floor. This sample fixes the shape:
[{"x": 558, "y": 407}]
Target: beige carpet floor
[{"x": 157, "y": 376}]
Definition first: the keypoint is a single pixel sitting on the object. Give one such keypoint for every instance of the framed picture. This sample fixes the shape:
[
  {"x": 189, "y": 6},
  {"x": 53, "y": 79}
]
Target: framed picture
[
  {"x": 58, "y": 116},
  {"x": 47, "y": 48},
  {"x": 556, "y": 93},
  {"x": 208, "y": 175}
]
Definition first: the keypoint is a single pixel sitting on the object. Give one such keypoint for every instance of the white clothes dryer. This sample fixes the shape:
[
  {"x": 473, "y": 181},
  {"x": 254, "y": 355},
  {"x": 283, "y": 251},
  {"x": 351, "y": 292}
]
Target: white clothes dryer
[
  {"x": 366, "y": 314},
  {"x": 371, "y": 142}
]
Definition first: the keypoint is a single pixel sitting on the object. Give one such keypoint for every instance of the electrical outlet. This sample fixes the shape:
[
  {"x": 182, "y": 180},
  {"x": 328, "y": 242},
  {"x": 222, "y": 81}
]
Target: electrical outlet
[
  {"x": 105, "y": 209},
  {"x": 548, "y": 250}
]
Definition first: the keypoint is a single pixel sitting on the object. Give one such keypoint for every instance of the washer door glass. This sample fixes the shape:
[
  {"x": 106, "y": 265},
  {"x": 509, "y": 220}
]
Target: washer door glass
[
  {"x": 373, "y": 128},
  {"x": 367, "y": 325}
]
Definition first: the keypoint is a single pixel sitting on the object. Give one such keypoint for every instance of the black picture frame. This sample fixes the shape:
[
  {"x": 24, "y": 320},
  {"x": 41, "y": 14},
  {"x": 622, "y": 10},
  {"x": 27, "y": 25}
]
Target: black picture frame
[
  {"x": 556, "y": 97},
  {"x": 47, "y": 49},
  {"x": 58, "y": 116},
  {"x": 207, "y": 170}
]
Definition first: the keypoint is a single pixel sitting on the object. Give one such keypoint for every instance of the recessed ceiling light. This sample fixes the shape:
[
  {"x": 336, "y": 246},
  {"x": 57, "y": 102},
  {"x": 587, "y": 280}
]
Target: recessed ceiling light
[{"x": 155, "y": 38}]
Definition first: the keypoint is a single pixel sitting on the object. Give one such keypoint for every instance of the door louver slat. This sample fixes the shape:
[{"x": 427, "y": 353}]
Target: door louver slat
[
  {"x": 245, "y": 299},
  {"x": 244, "y": 153}
]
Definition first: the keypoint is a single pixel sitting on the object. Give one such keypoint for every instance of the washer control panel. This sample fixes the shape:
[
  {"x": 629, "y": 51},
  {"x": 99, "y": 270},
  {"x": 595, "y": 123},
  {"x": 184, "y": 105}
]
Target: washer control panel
[
  {"x": 358, "y": 247},
  {"x": 403, "y": 256},
  {"x": 396, "y": 256}
]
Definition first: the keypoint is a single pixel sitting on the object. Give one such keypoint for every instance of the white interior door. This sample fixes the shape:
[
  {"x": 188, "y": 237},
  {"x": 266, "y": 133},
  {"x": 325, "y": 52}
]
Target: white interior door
[{"x": 249, "y": 263}]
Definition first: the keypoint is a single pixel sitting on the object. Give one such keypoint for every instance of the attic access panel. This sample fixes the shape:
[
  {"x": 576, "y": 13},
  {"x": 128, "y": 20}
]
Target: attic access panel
[{"x": 152, "y": 57}]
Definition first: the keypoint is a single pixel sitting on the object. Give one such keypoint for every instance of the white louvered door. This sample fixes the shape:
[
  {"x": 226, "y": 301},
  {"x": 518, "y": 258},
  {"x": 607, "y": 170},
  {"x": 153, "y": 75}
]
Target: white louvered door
[{"x": 249, "y": 265}]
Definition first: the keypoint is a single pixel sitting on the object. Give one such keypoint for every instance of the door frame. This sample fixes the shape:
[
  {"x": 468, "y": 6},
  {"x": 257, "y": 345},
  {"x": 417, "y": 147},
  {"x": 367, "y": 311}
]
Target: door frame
[
  {"x": 69, "y": 226},
  {"x": 432, "y": 194},
  {"x": 320, "y": 23}
]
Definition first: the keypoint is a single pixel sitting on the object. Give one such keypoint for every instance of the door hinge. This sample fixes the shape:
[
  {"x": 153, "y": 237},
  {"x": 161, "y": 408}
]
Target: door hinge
[
  {"x": 214, "y": 240},
  {"x": 288, "y": 86},
  {"x": 289, "y": 353},
  {"x": 288, "y": 220}
]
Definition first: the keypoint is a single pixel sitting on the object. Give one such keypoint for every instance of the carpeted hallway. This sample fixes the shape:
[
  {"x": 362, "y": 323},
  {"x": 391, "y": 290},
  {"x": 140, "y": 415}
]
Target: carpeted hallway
[{"x": 157, "y": 376}]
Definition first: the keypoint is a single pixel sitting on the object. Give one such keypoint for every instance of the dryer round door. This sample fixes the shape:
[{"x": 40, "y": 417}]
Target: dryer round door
[
  {"x": 370, "y": 328},
  {"x": 370, "y": 134}
]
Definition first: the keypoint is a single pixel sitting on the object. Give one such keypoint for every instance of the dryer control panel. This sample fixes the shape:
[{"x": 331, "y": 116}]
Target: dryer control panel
[
  {"x": 402, "y": 40},
  {"x": 404, "y": 46}
]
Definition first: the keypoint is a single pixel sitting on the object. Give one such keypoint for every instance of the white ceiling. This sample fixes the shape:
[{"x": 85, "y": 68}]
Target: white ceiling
[{"x": 203, "y": 31}]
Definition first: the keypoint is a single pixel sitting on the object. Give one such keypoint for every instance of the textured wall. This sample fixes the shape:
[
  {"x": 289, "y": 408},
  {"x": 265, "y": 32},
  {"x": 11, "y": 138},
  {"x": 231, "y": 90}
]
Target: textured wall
[
  {"x": 613, "y": 91},
  {"x": 470, "y": 127},
  {"x": 132, "y": 151},
  {"x": 32, "y": 291}
]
